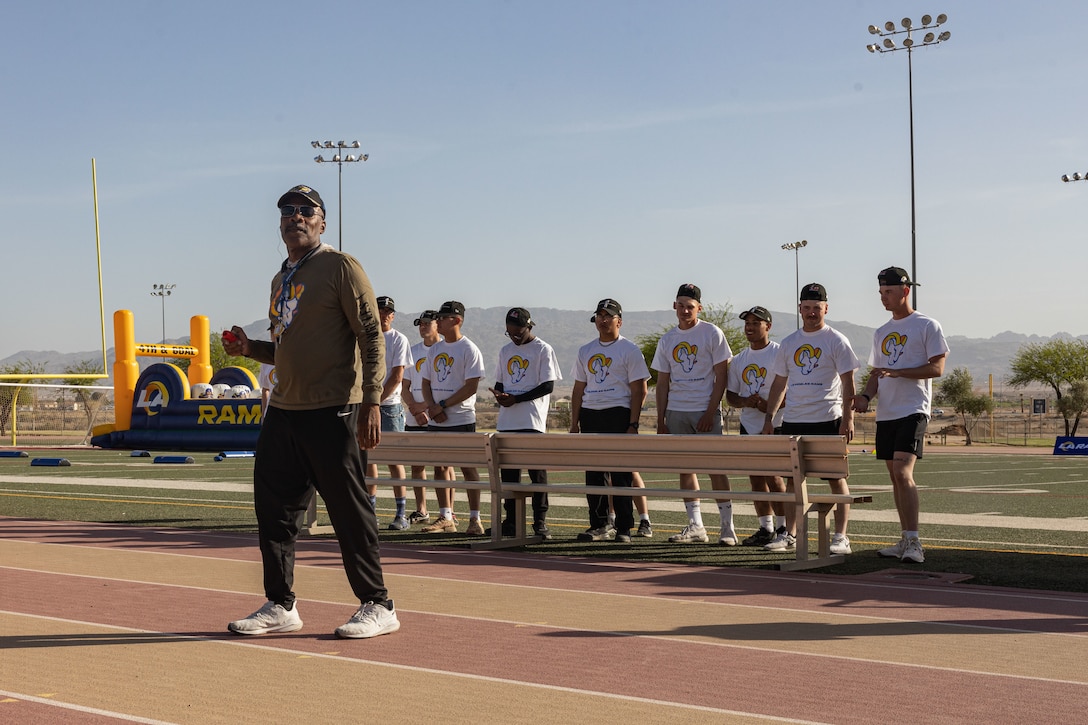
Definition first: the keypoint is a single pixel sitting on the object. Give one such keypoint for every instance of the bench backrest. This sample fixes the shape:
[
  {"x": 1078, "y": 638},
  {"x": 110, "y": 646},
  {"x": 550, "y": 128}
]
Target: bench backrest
[
  {"x": 818, "y": 456},
  {"x": 471, "y": 450}
]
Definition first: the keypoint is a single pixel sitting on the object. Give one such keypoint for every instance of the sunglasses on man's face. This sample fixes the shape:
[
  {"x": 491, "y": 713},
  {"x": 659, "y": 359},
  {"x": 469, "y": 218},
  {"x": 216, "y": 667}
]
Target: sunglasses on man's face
[{"x": 306, "y": 211}]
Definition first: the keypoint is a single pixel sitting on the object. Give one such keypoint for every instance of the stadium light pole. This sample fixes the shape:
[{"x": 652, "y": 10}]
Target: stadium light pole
[
  {"x": 339, "y": 159},
  {"x": 162, "y": 291},
  {"x": 888, "y": 46},
  {"x": 795, "y": 247},
  {"x": 1075, "y": 177}
]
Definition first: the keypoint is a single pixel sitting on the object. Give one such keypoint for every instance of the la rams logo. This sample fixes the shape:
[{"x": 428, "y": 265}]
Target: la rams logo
[
  {"x": 153, "y": 397},
  {"x": 892, "y": 346},
  {"x": 420, "y": 363},
  {"x": 598, "y": 367},
  {"x": 516, "y": 367},
  {"x": 807, "y": 358},
  {"x": 285, "y": 309},
  {"x": 754, "y": 377},
  {"x": 443, "y": 366},
  {"x": 686, "y": 355}
]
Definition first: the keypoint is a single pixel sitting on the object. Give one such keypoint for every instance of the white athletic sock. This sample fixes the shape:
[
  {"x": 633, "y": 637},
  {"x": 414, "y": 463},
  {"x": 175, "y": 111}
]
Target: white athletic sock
[
  {"x": 445, "y": 513},
  {"x": 779, "y": 522},
  {"x": 910, "y": 535},
  {"x": 695, "y": 512},
  {"x": 766, "y": 522},
  {"x": 644, "y": 517},
  {"x": 725, "y": 511},
  {"x": 474, "y": 514}
]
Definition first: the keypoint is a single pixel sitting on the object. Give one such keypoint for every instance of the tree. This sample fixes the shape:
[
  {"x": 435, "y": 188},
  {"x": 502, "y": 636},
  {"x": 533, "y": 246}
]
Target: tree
[
  {"x": 720, "y": 315},
  {"x": 12, "y": 395},
  {"x": 1057, "y": 364},
  {"x": 957, "y": 391},
  {"x": 92, "y": 400},
  {"x": 1074, "y": 404}
]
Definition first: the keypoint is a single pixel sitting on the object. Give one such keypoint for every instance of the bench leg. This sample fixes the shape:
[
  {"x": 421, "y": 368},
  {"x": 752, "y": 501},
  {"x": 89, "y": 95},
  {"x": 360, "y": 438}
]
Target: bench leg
[{"x": 824, "y": 556}]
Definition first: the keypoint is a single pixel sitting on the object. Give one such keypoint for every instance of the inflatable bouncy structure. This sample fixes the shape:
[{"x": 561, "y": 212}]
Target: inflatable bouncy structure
[{"x": 155, "y": 409}]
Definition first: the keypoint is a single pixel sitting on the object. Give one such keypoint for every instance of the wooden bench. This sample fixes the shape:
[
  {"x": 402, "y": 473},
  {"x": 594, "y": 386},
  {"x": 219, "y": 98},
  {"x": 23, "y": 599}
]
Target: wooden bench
[
  {"x": 793, "y": 457},
  {"x": 459, "y": 450}
]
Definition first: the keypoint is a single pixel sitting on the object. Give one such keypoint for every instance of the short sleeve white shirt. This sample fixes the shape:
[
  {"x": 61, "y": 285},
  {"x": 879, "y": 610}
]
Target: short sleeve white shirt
[
  {"x": 522, "y": 368},
  {"x": 750, "y": 374},
  {"x": 608, "y": 370},
  {"x": 398, "y": 353},
  {"x": 907, "y": 343},
  {"x": 450, "y": 365},
  {"x": 688, "y": 357},
  {"x": 812, "y": 363}
]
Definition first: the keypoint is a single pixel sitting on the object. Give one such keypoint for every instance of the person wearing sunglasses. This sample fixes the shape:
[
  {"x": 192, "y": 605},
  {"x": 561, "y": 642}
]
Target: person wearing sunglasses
[{"x": 322, "y": 415}]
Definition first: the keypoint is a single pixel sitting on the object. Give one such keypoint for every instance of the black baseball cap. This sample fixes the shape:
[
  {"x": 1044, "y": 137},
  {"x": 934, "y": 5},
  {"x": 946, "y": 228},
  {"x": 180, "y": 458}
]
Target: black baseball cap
[
  {"x": 689, "y": 290},
  {"x": 387, "y": 303},
  {"x": 305, "y": 192},
  {"x": 760, "y": 313},
  {"x": 425, "y": 316},
  {"x": 610, "y": 306},
  {"x": 894, "y": 276},
  {"x": 519, "y": 316},
  {"x": 452, "y": 307},
  {"x": 814, "y": 292}
]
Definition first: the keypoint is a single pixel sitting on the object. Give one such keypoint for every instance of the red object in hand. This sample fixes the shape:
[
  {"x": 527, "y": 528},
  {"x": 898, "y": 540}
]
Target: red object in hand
[{"x": 229, "y": 336}]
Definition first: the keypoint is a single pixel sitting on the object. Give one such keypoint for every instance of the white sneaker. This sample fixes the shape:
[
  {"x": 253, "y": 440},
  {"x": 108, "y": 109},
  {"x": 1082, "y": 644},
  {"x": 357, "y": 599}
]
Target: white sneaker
[
  {"x": 893, "y": 552},
  {"x": 783, "y": 541},
  {"x": 270, "y": 618},
  {"x": 728, "y": 537},
  {"x": 690, "y": 534},
  {"x": 370, "y": 620},
  {"x": 840, "y": 544},
  {"x": 913, "y": 551}
]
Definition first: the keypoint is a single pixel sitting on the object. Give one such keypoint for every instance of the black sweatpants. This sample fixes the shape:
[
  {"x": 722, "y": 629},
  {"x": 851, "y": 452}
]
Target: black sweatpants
[
  {"x": 299, "y": 451},
  {"x": 609, "y": 420}
]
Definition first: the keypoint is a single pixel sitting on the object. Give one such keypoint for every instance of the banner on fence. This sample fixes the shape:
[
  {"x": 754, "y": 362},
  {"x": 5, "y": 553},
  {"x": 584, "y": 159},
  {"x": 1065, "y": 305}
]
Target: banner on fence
[{"x": 1071, "y": 446}]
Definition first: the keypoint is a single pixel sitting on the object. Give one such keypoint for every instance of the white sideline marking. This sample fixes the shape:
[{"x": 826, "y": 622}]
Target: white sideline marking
[
  {"x": 409, "y": 668},
  {"x": 80, "y": 708}
]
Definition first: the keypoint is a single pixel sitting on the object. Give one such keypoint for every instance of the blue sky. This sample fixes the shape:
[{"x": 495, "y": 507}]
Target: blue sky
[{"x": 542, "y": 155}]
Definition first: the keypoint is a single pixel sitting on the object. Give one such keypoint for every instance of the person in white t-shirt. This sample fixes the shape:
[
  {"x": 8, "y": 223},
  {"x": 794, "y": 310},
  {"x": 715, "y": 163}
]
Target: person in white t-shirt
[
  {"x": 610, "y": 377},
  {"x": 908, "y": 352},
  {"x": 450, "y": 381},
  {"x": 749, "y": 384},
  {"x": 398, "y": 358},
  {"x": 817, "y": 364},
  {"x": 524, "y": 379},
  {"x": 266, "y": 379},
  {"x": 692, "y": 364},
  {"x": 412, "y": 397}
]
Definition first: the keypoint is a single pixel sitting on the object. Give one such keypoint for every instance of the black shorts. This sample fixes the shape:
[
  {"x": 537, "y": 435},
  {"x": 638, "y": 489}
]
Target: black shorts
[
  {"x": 744, "y": 432},
  {"x": 902, "y": 435},
  {"x": 464, "y": 428},
  {"x": 415, "y": 428},
  {"x": 830, "y": 428}
]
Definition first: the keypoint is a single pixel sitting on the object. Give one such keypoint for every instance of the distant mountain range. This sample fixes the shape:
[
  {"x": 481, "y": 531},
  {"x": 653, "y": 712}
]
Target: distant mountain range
[{"x": 567, "y": 330}]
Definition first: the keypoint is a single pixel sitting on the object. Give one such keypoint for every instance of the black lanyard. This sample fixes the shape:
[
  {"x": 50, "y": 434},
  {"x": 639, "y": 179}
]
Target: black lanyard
[{"x": 288, "y": 273}]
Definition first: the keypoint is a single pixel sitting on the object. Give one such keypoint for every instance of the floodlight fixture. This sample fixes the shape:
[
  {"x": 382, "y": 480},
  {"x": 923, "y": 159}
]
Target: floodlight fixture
[
  {"x": 340, "y": 158},
  {"x": 1075, "y": 176},
  {"x": 908, "y": 44},
  {"x": 795, "y": 247}
]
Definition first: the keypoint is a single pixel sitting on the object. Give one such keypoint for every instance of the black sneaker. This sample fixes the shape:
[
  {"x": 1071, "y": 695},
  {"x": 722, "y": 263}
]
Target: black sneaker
[
  {"x": 644, "y": 529},
  {"x": 762, "y": 537},
  {"x": 623, "y": 537},
  {"x": 604, "y": 533},
  {"x": 541, "y": 529}
]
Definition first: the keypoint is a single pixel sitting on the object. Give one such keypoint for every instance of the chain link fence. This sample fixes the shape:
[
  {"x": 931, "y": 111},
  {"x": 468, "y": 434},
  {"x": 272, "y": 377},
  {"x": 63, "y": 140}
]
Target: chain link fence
[{"x": 41, "y": 414}]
